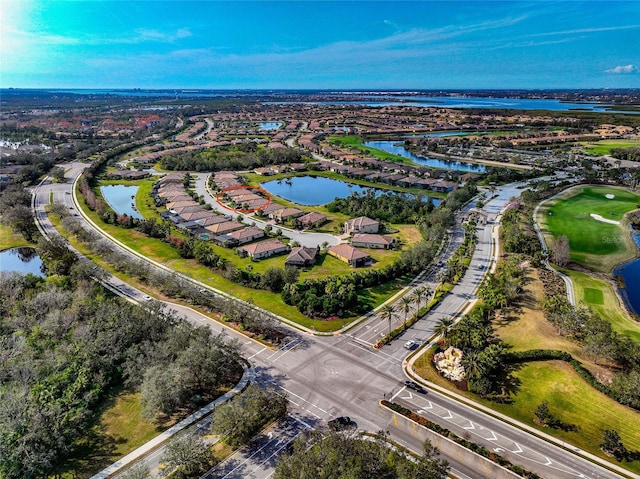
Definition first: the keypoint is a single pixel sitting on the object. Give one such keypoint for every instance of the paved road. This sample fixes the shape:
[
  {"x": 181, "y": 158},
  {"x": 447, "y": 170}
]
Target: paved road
[
  {"x": 305, "y": 238},
  {"x": 343, "y": 375}
]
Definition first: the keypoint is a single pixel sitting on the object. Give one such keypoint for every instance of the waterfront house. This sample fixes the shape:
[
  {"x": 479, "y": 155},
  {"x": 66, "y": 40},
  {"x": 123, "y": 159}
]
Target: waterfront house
[{"x": 361, "y": 224}]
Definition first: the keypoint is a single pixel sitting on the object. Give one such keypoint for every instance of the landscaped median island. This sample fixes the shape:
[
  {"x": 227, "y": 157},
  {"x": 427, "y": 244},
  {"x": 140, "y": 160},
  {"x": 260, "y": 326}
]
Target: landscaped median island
[{"x": 569, "y": 371}]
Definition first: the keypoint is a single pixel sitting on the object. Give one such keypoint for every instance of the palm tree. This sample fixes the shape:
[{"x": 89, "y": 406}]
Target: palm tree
[
  {"x": 387, "y": 313},
  {"x": 417, "y": 295},
  {"x": 442, "y": 328},
  {"x": 405, "y": 306}
]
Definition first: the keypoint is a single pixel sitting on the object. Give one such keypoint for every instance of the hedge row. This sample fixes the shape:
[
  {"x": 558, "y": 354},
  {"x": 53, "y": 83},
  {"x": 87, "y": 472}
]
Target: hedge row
[{"x": 477, "y": 448}]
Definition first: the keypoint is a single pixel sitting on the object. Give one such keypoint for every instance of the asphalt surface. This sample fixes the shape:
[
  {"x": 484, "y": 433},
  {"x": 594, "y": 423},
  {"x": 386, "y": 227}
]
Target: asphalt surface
[{"x": 326, "y": 377}]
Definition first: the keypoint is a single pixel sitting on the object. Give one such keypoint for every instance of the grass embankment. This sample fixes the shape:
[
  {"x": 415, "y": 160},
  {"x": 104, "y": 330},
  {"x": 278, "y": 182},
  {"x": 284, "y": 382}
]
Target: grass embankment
[
  {"x": 571, "y": 400},
  {"x": 600, "y": 296},
  {"x": 118, "y": 431},
  {"x": 604, "y": 147},
  {"x": 9, "y": 239},
  {"x": 356, "y": 143},
  {"x": 594, "y": 244}
]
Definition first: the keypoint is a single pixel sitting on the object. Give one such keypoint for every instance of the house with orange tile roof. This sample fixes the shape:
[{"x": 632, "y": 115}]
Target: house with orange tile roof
[{"x": 350, "y": 255}]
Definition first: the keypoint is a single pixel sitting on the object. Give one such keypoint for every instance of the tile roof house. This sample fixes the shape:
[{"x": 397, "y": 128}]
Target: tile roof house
[
  {"x": 302, "y": 256},
  {"x": 350, "y": 255},
  {"x": 263, "y": 249},
  {"x": 238, "y": 237},
  {"x": 367, "y": 240},
  {"x": 226, "y": 227},
  {"x": 362, "y": 224},
  {"x": 286, "y": 213},
  {"x": 212, "y": 219},
  {"x": 311, "y": 220}
]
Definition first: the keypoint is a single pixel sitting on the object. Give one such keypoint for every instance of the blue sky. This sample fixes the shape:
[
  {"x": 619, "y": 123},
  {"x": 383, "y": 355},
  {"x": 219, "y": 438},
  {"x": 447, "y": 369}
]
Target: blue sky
[{"x": 323, "y": 44}]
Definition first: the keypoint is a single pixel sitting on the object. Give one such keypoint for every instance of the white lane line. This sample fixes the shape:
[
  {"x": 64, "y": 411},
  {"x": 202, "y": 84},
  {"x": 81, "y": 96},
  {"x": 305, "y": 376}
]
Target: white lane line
[
  {"x": 394, "y": 396},
  {"x": 389, "y": 358},
  {"x": 298, "y": 396},
  {"x": 255, "y": 354}
]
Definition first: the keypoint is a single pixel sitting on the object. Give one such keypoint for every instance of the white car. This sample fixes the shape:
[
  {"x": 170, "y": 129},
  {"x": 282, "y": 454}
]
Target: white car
[
  {"x": 146, "y": 297},
  {"x": 410, "y": 344}
]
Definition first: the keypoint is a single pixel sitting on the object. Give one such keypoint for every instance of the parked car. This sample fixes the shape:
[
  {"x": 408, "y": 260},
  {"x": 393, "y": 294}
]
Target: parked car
[
  {"x": 410, "y": 344},
  {"x": 415, "y": 386},
  {"x": 340, "y": 423}
]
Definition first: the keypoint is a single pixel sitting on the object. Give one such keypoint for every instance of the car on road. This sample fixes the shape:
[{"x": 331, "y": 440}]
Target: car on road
[
  {"x": 415, "y": 386},
  {"x": 340, "y": 423},
  {"x": 146, "y": 297},
  {"x": 410, "y": 344},
  {"x": 480, "y": 266}
]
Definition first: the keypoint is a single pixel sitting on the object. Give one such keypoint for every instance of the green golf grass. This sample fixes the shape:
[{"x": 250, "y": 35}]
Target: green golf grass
[{"x": 594, "y": 244}]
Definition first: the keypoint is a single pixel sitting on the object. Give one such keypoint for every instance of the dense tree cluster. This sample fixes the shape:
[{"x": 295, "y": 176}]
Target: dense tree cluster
[
  {"x": 319, "y": 455},
  {"x": 483, "y": 353},
  {"x": 242, "y": 156},
  {"x": 240, "y": 418},
  {"x": 66, "y": 343},
  {"x": 15, "y": 211},
  {"x": 516, "y": 238},
  {"x": 388, "y": 207},
  {"x": 629, "y": 154}
]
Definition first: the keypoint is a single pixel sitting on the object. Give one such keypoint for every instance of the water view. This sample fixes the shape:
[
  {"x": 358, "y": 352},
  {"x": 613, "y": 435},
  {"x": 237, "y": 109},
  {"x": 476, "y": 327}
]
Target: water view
[
  {"x": 630, "y": 273},
  {"x": 122, "y": 198},
  {"x": 317, "y": 190},
  {"x": 397, "y": 149},
  {"x": 270, "y": 125},
  {"x": 22, "y": 260},
  {"x": 311, "y": 190}
]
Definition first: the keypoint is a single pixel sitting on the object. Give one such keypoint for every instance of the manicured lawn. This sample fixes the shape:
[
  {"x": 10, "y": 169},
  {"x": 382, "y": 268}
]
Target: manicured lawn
[
  {"x": 571, "y": 400},
  {"x": 606, "y": 304},
  {"x": 594, "y": 244},
  {"x": 604, "y": 147},
  {"x": 9, "y": 239}
]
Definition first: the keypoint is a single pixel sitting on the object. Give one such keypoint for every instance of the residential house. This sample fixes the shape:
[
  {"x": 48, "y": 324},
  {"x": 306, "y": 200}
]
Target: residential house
[
  {"x": 302, "y": 256},
  {"x": 242, "y": 236},
  {"x": 311, "y": 220},
  {"x": 368, "y": 240},
  {"x": 263, "y": 249},
  {"x": 226, "y": 227},
  {"x": 281, "y": 216},
  {"x": 361, "y": 224},
  {"x": 350, "y": 255}
]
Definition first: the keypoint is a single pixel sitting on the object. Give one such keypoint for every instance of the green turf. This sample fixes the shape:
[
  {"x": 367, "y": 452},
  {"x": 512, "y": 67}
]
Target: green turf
[
  {"x": 609, "y": 308},
  {"x": 593, "y": 296},
  {"x": 9, "y": 239},
  {"x": 604, "y": 147},
  {"x": 595, "y": 244}
]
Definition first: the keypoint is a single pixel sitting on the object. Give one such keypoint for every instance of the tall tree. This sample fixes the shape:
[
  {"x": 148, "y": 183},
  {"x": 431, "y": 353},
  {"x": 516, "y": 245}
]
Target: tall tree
[
  {"x": 188, "y": 456},
  {"x": 405, "y": 306},
  {"x": 561, "y": 251},
  {"x": 386, "y": 313}
]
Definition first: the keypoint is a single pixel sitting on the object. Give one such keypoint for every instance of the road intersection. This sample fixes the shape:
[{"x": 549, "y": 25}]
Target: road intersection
[{"x": 325, "y": 377}]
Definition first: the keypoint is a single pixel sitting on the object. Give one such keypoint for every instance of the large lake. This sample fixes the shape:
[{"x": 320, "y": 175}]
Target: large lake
[
  {"x": 397, "y": 149},
  {"x": 630, "y": 273},
  {"x": 23, "y": 260},
  {"x": 315, "y": 190},
  {"x": 122, "y": 198}
]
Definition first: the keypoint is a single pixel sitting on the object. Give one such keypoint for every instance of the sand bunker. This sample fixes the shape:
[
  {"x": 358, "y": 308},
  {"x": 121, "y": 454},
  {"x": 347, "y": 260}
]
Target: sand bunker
[
  {"x": 609, "y": 196},
  {"x": 604, "y": 220}
]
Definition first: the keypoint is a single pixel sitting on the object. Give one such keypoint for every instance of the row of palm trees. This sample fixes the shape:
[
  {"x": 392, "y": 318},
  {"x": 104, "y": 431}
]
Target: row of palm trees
[{"x": 405, "y": 305}]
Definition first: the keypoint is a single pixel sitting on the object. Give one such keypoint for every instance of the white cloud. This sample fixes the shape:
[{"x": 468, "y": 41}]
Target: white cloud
[{"x": 621, "y": 69}]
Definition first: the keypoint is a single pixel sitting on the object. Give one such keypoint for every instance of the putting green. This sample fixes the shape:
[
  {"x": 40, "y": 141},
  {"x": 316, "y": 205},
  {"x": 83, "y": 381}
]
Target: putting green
[{"x": 595, "y": 244}]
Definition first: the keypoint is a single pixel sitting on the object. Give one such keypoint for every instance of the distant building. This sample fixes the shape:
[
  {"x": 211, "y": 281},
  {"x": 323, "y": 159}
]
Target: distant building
[
  {"x": 350, "y": 255},
  {"x": 362, "y": 224}
]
